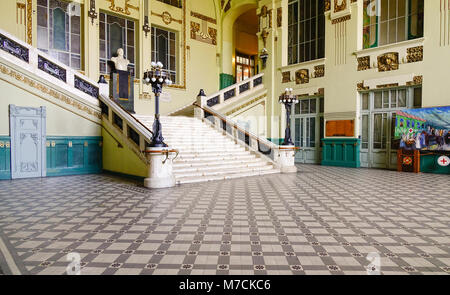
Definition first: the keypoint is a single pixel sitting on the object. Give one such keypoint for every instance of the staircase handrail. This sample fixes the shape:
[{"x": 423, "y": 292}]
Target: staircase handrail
[
  {"x": 43, "y": 65},
  {"x": 253, "y": 138},
  {"x": 220, "y": 94}
]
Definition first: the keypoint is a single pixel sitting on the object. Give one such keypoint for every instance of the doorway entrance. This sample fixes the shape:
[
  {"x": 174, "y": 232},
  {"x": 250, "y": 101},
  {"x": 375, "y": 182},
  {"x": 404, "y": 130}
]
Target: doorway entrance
[
  {"x": 308, "y": 129},
  {"x": 378, "y": 114},
  {"x": 245, "y": 66},
  {"x": 28, "y": 135}
]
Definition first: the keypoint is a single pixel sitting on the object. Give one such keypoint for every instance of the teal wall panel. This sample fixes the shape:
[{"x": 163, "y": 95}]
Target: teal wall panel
[
  {"x": 342, "y": 152},
  {"x": 73, "y": 155},
  {"x": 5, "y": 157},
  {"x": 429, "y": 164},
  {"x": 226, "y": 80}
]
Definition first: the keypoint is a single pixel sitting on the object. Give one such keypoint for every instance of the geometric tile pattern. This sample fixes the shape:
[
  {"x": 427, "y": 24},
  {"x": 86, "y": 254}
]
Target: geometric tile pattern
[{"x": 322, "y": 220}]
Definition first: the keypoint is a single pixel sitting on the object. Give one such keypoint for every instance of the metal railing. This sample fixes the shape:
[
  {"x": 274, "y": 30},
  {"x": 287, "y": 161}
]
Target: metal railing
[{"x": 261, "y": 145}]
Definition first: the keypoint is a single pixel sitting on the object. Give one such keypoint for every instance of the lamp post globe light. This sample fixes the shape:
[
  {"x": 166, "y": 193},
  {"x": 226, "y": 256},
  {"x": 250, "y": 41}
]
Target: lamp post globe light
[
  {"x": 157, "y": 77},
  {"x": 288, "y": 99}
]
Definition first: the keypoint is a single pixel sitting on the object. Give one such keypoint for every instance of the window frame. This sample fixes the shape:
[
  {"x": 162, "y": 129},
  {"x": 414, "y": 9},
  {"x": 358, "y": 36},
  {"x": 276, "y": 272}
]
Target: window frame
[
  {"x": 69, "y": 34},
  {"x": 408, "y": 17},
  {"x": 316, "y": 34},
  {"x": 132, "y": 67},
  {"x": 173, "y": 73}
]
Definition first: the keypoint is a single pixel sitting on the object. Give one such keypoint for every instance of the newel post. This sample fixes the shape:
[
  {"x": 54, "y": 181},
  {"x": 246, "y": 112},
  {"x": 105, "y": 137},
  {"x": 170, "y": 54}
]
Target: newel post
[{"x": 201, "y": 101}]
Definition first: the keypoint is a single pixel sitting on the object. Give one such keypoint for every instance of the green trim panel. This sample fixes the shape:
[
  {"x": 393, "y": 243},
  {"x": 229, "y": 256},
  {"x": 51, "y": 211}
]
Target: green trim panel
[
  {"x": 5, "y": 157},
  {"x": 226, "y": 80},
  {"x": 341, "y": 152},
  {"x": 74, "y": 155},
  {"x": 429, "y": 164},
  {"x": 277, "y": 141}
]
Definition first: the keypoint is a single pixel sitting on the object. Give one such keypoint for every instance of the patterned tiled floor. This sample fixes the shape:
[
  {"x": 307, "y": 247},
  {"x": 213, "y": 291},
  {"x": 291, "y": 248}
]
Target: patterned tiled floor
[{"x": 322, "y": 220}]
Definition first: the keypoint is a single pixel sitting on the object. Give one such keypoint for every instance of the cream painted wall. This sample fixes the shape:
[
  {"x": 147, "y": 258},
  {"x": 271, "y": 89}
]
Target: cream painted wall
[
  {"x": 60, "y": 122},
  {"x": 255, "y": 117}
]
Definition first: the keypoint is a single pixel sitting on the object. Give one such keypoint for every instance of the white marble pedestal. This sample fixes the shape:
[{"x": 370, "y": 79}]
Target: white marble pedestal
[
  {"x": 160, "y": 170},
  {"x": 286, "y": 159}
]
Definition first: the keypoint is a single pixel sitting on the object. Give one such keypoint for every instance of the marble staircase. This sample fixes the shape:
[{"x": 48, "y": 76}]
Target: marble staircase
[{"x": 205, "y": 153}]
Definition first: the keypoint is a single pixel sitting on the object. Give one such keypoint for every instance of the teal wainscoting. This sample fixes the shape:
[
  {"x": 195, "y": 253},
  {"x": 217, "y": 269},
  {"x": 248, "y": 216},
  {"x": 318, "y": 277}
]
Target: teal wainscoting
[
  {"x": 429, "y": 164},
  {"x": 5, "y": 157},
  {"x": 74, "y": 155},
  {"x": 226, "y": 80},
  {"x": 342, "y": 152}
]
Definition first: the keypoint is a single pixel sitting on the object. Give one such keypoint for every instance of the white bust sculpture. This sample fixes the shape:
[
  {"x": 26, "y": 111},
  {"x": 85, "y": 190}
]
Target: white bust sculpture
[{"x": 120, "y": 62}]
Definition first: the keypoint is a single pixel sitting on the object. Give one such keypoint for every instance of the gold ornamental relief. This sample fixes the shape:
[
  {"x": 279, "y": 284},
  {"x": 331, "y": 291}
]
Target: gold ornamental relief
[
  {"x": 124, "y": 8},
  {"x": 340, "y": 5}
]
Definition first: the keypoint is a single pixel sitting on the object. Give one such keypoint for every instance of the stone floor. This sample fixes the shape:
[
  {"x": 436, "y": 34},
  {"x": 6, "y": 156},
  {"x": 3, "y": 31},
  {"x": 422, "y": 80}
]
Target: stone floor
[{"x": 323, "y": 220}]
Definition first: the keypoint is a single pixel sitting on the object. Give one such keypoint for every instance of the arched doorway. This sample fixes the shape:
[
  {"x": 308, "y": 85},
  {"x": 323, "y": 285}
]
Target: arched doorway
[
  {"x": 240, "y": 18},
  {"x": 245, "y": 46}
]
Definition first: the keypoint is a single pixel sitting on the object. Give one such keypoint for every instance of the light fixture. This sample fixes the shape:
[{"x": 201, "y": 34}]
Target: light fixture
[
  {"x": 92, "y": 13},
  {"x": 157, "y": 77},
  {"x": 288, "y": 99}
]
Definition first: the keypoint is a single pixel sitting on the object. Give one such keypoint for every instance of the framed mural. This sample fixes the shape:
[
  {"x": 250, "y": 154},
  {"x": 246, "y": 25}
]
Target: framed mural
[{"x": 424, "y": 129}]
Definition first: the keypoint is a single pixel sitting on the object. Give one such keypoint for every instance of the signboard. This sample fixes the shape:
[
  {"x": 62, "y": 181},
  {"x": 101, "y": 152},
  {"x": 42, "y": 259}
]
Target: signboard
[
  {"x": 343, "y": 128},
  {"x": 424, "y": 129}
]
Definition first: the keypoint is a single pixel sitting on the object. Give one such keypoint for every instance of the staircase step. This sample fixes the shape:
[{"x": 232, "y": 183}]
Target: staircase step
[
  {"x": 224, "y": 165},
  {"x": 196, "y": 179},
  {"x": 221, "y": 172},
  {"x": 191, "y": 164}
]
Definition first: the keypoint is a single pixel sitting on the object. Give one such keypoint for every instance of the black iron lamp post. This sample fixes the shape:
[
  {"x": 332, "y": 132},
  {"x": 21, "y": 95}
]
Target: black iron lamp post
[
  {"x": 288, "y": 99},
  {"x": 157, "y": 77}
]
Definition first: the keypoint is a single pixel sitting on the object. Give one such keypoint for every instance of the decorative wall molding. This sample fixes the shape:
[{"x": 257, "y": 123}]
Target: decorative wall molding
[
  {"x": 414, "y": 54},
  {"x": 390, "y": 85},
  {"x": 14, "y": 48},
  {"x": 53, "y": 93},
  {"x": 124, "y": 10},
  {"x": 319, "y": 71},
  {"x": 417, "y": 80},
  {"x": 302, "y": 76},
  {"x": 203, "y": 17},
  {"x": 360, "y": 86},
  {"x": 363, "y": 63},
  {"x": 52, "y": 69},
  {"x": 206, "y": 34},
  {"x": 286, "y": 77},
  {"x": 338, "y": 7},
  {"x": 327, "y": 5},
  {"x": 341, "y": 19},
  {"x": 388, "y": 62},
  {"x": 279, "y": 17},
  {"x": 30, "y": 22},
  {"x": 167, "y": 17}
]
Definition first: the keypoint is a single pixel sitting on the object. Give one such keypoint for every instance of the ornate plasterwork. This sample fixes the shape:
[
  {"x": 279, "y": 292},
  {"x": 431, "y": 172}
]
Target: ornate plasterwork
[
  {"x": 319, "y": 71},
  {"x": 415, "y": 54},
  {"x": 30, "y": 22},
  {"x": 327, "y": 5},
  {"x": 363, "y": 63},
  {"x": 286, "y": 77},
  {"x": 341, "y": 19},
  {"x": 417, "y": 80},
  {"x": 302, "y": 76},
  {"x": 203, "y": 17},
  {"x": 341, "y": 6},
  {"x": 124, "y": 10},
  {"x": 203, "y": 32},
  {"x": 55, "y": 94},
  {"x": 360, "y": 86},
  {"x": 388, "y": 62},
  {"x": 167, "y": 17}
]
